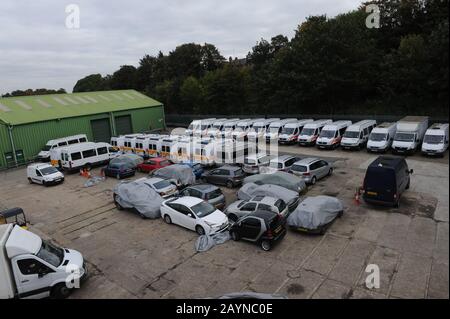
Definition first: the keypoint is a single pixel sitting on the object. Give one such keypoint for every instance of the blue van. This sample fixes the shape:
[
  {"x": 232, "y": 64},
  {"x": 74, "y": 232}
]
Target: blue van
[{"x": 386, "y": 180}]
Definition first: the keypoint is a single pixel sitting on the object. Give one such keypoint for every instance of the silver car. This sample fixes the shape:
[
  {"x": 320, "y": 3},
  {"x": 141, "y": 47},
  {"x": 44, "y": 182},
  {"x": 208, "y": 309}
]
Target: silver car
[
  {"x": 209, "y": 193},
  {"x": 242, "y": 208},
  {"x": 312, "y": 169},
  {"x": 162, "y": 186},
  {"x": 254, "y": 162}
]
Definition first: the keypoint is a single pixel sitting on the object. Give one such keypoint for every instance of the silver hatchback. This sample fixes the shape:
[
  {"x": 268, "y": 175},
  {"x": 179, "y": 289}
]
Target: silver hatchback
[{"x": 312, "y": 169}]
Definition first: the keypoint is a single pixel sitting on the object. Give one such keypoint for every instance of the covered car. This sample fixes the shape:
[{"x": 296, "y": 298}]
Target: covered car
[
  {"x": 250, "y": 190},
  {"x": 131, "y": 160},
  {"x": 179, "y": 174},
  {"x": 140, "y": 197},
  {"x": 282, "y": 179},
  {"x": 315, "y": 214}
]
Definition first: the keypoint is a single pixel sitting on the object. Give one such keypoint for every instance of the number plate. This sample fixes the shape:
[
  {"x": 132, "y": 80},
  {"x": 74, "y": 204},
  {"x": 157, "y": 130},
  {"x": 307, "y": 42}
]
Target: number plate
[{"x": 372, "y": 193}]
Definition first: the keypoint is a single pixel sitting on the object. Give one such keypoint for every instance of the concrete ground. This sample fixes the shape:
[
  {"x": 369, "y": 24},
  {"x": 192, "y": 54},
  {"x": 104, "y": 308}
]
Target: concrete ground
[{"x": 133, "y": 258}]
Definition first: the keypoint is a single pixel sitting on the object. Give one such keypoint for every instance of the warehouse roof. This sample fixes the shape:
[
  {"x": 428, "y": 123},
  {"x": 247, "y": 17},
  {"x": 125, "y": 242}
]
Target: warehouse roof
[{"x": 37, "y": 108}]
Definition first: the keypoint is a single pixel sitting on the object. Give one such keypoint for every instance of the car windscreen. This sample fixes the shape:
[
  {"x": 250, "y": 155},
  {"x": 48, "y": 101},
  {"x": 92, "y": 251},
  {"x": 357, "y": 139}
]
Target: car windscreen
[
  {"x": 308, "y": 131},
  {"x": 351, "y": 134},
  {"x": 203, "y": 209},
  {"x": 288, "y": 130},
  {"x": 380, "y": 179},
  {"x": 378, "y": 137},
  {"x": 299, "y": 168},
  {"x": 238, "y": 172},
  {"x": 47, "y": 148},
  {"x": 48, "y": 171},
  {"x": 404, "y": 137},
  {"x": 274, "y": 129},
  {"x": 327, "y": 134},
  {"x": 434, "y": 139},
  {"x": 162, "y": 184},
  {"x": 214, "y": 194},
  {"x": 51, "y": 254}
]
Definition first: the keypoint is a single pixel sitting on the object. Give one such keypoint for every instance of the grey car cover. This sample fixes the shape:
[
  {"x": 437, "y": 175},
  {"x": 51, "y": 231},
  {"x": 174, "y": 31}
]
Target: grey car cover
[
  {"x": 282, "y": 179},
  {"x": 251, "y": 189},
  {"x": 139, "y": 196},
  {"x": 206, "y": 242},
  {"x": 132, "y": 160},
  {"x": 315, "y": 212},
  {"x": 181, "y": 174}
]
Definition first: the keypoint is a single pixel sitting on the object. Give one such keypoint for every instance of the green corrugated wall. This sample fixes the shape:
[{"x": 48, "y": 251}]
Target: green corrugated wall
[{"x": 32, "y": 137}]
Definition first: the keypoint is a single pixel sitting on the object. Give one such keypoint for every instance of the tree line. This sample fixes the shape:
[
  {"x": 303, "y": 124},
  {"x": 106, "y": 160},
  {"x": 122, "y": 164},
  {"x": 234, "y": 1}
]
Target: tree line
[
  {"x": 28, "y": 92},
  {"x": 331, "y": 65}
]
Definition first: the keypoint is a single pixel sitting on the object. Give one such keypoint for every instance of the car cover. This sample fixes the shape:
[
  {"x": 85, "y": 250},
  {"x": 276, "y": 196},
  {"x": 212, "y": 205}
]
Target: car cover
[
  {"x": 139, "y": 196},
  {"x": 132, "y": 160},
  {"x": 206, "y": 242},
  {"x": 179, "y": 173},
  {"x": 251, "y": 189},
  {"x": 282, "y": 179},
  {"x": 315, "y": 212}
]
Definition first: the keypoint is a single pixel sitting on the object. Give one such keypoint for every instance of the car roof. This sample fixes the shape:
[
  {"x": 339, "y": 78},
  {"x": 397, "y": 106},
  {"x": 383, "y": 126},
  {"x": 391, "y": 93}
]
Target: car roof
[
  {"x": 204, "y": 187},
  {"x": 307, "y": 161},
  {"x": 263, "y": 214},
  {"x": 39, "y": 165},
  {"x": 188, "y": 201},
  {"x": 282, "y": 158},
  {"x": 263, "y": 199},
  {"x": 153, "y": 180},
  {"x": 230, "y": 167},
  {"x": 388, "y": 161}
]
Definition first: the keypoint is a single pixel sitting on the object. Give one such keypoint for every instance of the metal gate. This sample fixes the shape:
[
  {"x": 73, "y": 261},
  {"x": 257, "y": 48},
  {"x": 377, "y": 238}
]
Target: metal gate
[
  {"x": 123, "y": 125},
  {"x": 101, "y": 130}
]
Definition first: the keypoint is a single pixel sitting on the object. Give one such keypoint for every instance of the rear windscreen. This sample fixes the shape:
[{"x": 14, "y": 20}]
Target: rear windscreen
[{"x": 380, "y": 179}]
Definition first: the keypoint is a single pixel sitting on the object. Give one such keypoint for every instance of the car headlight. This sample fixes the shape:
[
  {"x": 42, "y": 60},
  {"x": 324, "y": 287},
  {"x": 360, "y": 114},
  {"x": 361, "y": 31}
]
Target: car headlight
[{"x": 210, "y": 224}]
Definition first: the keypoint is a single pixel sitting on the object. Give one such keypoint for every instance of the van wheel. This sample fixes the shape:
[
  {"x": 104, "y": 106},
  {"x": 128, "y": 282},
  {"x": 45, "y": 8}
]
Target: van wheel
[
  {"x": 266, "y": 245},
  {"x": 167, "y": 219},
  {"x": 118, "y": 206},
  {"x": 60, "y": 291},
  {"x": 200, "y": 231},
  {"x": 30, "y": 180}
]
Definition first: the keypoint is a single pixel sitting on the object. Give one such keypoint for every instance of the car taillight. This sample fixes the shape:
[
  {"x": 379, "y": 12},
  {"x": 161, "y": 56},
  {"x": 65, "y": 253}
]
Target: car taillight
[
  {"x": 269, "y": 233},
  {"x": 306, "y": 174},
  {"x": 395, "y": 196}
]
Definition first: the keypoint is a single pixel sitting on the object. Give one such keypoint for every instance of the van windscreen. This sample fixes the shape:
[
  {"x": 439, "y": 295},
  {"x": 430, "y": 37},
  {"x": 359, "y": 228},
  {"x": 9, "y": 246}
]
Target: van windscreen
[
  {"x": 378, "y": 137},
  {"x": 351, "y": 134},
  {"x": 380, "y": 179}
]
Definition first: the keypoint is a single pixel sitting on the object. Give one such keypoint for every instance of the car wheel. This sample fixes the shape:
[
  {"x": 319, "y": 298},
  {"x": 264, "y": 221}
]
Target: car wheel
[
  {"x": 167, "y": 219},
  {"x": 30, "y": 180},
  {"x": 118, "y": 176},
  {"x": 409, "y": 184},
  {"x": 200, "y": 231},
  {"x": 322, "y": 231},
  {"x": 234, "y": 235},
  {"x": 313, "y": 180},
  {"x": 60, "y": 291},
  {"x": 340, "y": 214},
  {"x": 118, "y": 206},
  {"x": 233, "y": 218},
  {"x": 230, "y": 184},
  {"x": 266, "y": 245},
  {"x": 330, "y": 172}
]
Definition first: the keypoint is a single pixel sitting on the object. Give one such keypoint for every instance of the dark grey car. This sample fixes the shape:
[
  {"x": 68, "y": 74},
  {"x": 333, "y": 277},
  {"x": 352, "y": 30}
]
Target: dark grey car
[
  {"x": 210, "y": 193},
  {"x": 230, "y": 176}
]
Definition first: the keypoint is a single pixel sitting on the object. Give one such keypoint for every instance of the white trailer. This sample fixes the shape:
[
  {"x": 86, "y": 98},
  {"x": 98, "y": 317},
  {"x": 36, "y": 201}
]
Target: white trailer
[
  {"x": 33, "y": 268},
  {"x": 410, "y": 133}
]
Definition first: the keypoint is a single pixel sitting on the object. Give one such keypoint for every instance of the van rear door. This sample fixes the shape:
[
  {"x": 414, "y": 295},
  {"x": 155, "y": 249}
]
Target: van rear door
[{"x": 380, "y": 184}]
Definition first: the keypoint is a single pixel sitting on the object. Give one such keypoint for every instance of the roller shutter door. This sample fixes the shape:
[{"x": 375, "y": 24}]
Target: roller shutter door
[
  {"x": 101, "y": 130},
  {"x": 123, "y": 125}
]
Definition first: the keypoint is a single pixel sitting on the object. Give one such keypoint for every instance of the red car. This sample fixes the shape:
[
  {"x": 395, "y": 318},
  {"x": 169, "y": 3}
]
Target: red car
[{"x": 153, "y": 163}]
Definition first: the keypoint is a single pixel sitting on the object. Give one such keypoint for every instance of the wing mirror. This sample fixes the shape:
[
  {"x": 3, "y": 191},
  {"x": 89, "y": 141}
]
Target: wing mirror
[
  {"x": 411, "y": 171},
  {"x": 42, "y": 273},
  {"x": 190, "y": 215}
]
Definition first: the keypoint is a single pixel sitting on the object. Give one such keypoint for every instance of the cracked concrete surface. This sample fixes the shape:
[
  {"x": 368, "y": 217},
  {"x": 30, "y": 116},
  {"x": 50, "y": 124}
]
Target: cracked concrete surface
[{"x": 133, "y": 258}]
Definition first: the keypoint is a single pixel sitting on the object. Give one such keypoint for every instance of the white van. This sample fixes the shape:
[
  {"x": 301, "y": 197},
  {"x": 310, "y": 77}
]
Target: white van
[
  {"x": 44, "y": 174},
  {"x": 141, "y": 144},
  {"x": 203, "y": 128},
  {"x": 357, "y": 134},
  {"x": 117, "y": 143},
  {"x": 260, "y": 128},
  {"x": 331, "y": 134},
  {"x": 381, "y": 138},
  {"x": 275, "y": 129},
  {"x": 311, "y": 132},
  {"x": 410, "y": 133},
  {"x": 167, "y": 145},
  {"x": 230, "y": 151},
  {"x": 216, "y": 128},
  {"x": 193, "y": 127},
  {"x": 204, "y": 151},
  {"x": 291, "y": 131},
  {"x": 44, "y": 155},
  {"x": 130, "y": 143},
  {"x": 242, "y": 129},
  {"x": 436, "y": 140},
  {"x": 86, "y": 155},
  {"x": 228, "y": 129},
  {"x": 182, "y": 150}
]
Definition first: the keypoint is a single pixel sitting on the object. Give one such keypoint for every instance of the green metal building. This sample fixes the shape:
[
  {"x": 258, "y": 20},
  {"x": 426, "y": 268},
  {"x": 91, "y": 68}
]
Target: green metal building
[{"x": 28, "y": 122}]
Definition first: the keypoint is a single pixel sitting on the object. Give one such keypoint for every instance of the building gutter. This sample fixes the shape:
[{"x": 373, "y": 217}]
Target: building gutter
[{"x": 11, "y": 140}]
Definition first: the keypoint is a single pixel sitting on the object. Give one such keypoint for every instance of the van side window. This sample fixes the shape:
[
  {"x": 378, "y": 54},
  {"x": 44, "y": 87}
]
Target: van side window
[
  {"x": 366, "y": 131},
  {"x": 83, "y": 140},
  {"x": 72, "y": 142},
  {"x": 62, "y": 144},
  {"x": 89, "y": 153},
  {"x": 75, "y": 156},
  {"x": 38, "y": 173},
  {"x": 31, "y": 267},
  {"x": 102, "y": 150}
]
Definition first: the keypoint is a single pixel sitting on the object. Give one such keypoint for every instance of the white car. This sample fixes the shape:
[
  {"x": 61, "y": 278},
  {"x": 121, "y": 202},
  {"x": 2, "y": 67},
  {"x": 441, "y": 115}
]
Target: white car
[
  {"x": 44, "y": 174},
  {"x": 162, "y": 186},
  {"x": 194, "y": 214}
]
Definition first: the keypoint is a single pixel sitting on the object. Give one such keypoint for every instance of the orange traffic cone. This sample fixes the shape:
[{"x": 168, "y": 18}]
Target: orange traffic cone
[{"x": 357, "y": 201}]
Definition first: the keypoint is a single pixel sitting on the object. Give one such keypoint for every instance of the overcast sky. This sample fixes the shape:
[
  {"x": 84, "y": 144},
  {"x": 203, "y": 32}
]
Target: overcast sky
[{"x": 37, "y": 50}]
